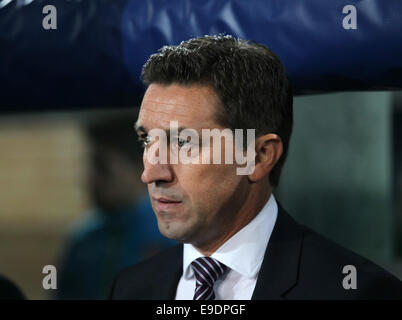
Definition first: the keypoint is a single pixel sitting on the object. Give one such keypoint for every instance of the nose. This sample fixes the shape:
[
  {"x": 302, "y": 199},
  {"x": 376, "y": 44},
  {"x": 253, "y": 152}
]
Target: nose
[{"x": 155, "y": 172}]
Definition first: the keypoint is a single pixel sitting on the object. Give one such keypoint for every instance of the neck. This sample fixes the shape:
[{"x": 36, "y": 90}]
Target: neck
[{"x": 250, "y": 208}]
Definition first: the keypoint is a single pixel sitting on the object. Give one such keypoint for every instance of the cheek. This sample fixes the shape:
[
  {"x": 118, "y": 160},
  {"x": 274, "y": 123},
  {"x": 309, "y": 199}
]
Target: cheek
[{"x": 208, "y": 185}]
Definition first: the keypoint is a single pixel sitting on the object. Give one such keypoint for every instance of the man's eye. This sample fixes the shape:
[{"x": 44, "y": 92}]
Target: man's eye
[
  {"x": 181, "y": 142},
  {"x": 178, "y": 142},
  {"x": 145, "y": 141}
]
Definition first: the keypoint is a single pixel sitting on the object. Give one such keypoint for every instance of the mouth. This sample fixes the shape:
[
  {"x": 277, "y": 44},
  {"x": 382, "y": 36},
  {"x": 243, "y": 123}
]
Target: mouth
[{"x": 166, "y": 203}]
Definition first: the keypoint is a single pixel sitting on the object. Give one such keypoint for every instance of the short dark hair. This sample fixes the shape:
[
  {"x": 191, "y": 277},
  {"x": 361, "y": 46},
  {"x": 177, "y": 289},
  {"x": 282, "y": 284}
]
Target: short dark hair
[{"x": 248, "y": 78}]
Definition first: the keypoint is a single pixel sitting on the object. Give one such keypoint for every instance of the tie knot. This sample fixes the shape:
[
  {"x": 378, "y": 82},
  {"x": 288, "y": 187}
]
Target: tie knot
[{"x": 207, "y": 270}]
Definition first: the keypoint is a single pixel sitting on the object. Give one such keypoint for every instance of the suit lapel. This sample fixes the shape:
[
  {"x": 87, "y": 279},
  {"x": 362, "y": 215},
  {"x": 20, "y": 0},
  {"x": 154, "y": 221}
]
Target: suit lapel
[
  {"x": 166, "y": 281},
  {"x": 279, "y": 269}
]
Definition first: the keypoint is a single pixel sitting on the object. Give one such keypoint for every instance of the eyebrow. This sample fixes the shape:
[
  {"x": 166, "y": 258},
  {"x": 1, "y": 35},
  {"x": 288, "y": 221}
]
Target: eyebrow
[
  {"x": 141, "y": 130},
  {"x": 138, "y": 127}
]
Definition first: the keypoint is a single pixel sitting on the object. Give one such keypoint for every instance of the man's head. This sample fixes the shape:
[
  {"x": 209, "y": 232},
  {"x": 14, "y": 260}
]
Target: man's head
[
  {"x": 115, "y": 162},
  {"x": 205, "y": 83}
]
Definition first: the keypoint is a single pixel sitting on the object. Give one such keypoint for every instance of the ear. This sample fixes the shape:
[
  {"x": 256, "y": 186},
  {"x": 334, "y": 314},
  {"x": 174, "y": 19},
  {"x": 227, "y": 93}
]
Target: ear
[{"x": 269, "y": 149}]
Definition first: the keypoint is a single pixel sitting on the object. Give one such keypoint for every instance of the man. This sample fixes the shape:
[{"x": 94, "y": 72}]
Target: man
[
  {"x": 238, "y": 241},
  {"x": 121, "y": 230}
]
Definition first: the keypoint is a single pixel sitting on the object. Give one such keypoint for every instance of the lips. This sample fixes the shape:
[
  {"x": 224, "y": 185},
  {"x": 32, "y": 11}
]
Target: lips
[
  {"x": 165, "y": 200},
  {"x": 163, "y": 203}
]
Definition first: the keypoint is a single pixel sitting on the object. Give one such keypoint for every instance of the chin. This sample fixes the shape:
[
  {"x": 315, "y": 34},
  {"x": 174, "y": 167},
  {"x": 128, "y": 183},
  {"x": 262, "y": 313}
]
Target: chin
[{"x": 175, "y": 231}]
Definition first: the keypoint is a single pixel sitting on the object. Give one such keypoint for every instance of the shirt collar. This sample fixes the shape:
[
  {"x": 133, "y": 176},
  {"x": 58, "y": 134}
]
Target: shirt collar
[{"x": 245, "y": 250}]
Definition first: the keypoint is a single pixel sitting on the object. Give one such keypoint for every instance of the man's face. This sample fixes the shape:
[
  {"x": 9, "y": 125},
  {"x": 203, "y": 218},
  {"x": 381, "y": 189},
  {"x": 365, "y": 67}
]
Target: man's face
[{"x": 194, "y": 203}]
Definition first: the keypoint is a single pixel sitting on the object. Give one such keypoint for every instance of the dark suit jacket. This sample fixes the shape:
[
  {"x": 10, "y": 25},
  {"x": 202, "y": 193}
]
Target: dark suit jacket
[{"x": 298, "y": 264}]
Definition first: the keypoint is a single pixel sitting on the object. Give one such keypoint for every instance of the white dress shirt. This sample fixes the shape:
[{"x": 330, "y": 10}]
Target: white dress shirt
[{"x": 242, "y": 253}]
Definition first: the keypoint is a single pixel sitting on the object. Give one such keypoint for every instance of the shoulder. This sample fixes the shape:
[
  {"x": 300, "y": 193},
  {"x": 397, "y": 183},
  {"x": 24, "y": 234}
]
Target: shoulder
[
  {"x": 328, "y": 268},
  {"x": 152, "y": 264},
  {"x": 141, "y": 277},
  {"x": 318, "y": 268}
]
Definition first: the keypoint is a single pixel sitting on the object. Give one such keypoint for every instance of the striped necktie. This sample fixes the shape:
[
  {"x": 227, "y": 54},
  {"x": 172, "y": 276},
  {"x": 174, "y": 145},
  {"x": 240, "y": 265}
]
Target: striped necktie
[{"x": 207, "y": 270}]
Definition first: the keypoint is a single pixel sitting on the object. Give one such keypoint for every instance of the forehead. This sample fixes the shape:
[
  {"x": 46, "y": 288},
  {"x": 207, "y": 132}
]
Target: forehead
[{"x": 192, "y": 106}]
